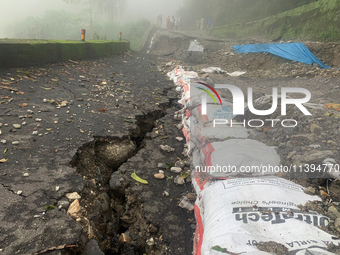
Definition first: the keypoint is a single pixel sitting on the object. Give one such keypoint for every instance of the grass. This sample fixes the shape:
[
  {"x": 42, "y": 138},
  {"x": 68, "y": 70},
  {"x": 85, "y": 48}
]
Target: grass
[{"x": 316, "y": 21}]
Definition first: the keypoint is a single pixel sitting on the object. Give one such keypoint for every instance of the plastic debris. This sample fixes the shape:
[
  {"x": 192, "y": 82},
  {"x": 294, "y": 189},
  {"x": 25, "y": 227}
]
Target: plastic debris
[
  {"x": 236, "y": 73},
  {"x": 213, "y": 70},
  {"x": 195, "y": 46},
  {"x": 292, "y": 51},
  {"x": 186, "y": 204}
]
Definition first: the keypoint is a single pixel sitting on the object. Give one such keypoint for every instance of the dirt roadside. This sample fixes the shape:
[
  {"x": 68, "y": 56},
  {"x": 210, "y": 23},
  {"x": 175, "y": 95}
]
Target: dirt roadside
[{"x": 314, "y": 141}]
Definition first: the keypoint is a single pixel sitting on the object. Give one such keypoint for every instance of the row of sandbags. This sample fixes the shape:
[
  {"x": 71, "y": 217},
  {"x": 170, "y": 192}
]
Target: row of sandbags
[{"x": 241, "y": 212}]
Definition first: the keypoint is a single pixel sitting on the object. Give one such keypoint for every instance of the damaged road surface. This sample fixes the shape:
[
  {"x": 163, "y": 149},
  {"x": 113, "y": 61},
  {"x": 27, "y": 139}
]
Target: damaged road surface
[
  {"x": 92, "y": 160},
  {"x": 73, "y": 136}
]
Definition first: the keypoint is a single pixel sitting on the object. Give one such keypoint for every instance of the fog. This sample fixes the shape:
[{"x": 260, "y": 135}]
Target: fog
[
  {"x": 150, "y": 9},
  {"x": 13, "y": 11}
]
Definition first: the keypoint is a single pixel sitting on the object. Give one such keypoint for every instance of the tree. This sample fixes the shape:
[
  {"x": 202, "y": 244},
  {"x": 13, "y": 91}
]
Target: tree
[
  {"x": 55, "y": 24},
  {"x": 102, "y": 8},
  {"x": 96, "y": 10}
]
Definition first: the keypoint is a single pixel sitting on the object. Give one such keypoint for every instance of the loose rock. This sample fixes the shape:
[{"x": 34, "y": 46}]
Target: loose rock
[
  {"x": 310, "y": 191},
  {"x": 291, "y": 154},
  {"x": 74, "y": 209},
  {"x": 72, "y": 196},
  {"x": 114, "y": 181},
  {"x": 167, "y": 148},
  {"x": 92, "y": 248},
  {"x": 159, "y": 176},
  {"x": 315, "y": 129},
  {"x": 333, "y": 213},
  {"x": 176, "y": 169},
  {"x": 180, "y": 164},
  {"x": 63, "y": 203},
  {"x": 179, "y": 180},
  {"x": 125, "y": 238},
  {"x": 105, "y": 201},
  {"x": 150, "y": 241},
  {"x": 337, "y": 224},
  {"x": 63, "y": 103}
]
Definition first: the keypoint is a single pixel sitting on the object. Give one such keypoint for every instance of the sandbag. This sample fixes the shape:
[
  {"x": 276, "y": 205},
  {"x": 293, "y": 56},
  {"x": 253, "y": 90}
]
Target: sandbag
[
  {"x": 239, "y": 157},
  {"x": 218, "y": 134},
  {"x": 237, "y": 214}
]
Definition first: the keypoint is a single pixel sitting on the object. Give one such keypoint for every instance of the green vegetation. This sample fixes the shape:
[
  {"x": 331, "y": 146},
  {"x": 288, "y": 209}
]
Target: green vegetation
[
  {"x": 315, "y": 21},
  {"x": 225, "y": 12},
  {"x": 49, "y": 207},
  {"x": 275, "y": 19},
  {"x": 95, "y": 9},
  {"x": 59, "y": 25}
]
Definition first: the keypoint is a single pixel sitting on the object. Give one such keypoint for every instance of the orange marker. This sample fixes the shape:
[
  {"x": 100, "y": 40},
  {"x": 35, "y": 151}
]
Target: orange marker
[{"x": 83, "y": 31}]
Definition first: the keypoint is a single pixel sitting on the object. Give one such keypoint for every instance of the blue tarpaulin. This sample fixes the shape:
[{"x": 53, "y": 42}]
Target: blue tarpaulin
[{"x": 293, "y": 51}]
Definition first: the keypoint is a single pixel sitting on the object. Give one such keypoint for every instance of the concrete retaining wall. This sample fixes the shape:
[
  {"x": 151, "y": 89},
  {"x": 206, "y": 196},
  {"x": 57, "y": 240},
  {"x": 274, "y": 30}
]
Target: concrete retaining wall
[{"x": 17, "y": 54}]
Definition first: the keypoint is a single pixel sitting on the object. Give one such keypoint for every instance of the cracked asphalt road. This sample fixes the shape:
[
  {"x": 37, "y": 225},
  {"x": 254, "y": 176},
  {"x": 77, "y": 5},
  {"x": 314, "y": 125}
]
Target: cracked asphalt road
[{"x": 60, "y": 107}]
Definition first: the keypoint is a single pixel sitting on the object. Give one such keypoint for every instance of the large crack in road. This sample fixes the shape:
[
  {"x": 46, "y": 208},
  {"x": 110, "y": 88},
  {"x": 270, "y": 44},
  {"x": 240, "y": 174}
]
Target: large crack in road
[
  {"x": 106, "y": 115},
  {"x": 115, "y": 214}
]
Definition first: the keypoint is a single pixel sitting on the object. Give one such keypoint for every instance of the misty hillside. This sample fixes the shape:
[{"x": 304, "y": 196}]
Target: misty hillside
[
  {"x": 224, "y": 12},
  {"x": 272, "y": 19},
  {"x": 318, "y": 20}
]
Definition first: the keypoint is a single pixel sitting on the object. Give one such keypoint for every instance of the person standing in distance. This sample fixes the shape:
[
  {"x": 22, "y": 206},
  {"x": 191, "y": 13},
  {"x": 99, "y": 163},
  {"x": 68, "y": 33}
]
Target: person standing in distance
[
  {"x": 202, "y": 23},
  {"x": 209, "y": 23},
  {"x": 168, "y": 22},
  {"x": 160, "y": 20},
  {"x": 172, "y": 22}
]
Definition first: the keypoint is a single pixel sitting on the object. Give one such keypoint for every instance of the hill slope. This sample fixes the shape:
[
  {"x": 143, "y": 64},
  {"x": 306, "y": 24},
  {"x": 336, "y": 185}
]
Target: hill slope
[
  {"x": 316, "y": 20},
  {"x": 235, "y": 11}
]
